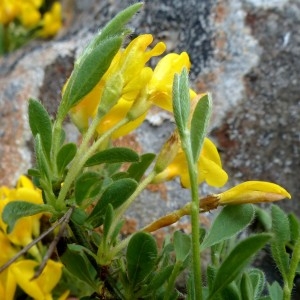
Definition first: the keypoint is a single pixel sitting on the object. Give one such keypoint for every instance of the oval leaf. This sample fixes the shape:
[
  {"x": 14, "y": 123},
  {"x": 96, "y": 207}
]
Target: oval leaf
[
  {"x": 65, "y": 156},
  {"x": 137, "y": 170},
  {"x": 199, "y": 124},
  {"x": 182, "y": 245},
  {"x": 87, "y": 185},
  {"x": 113, "y": 155},
  {"x": 89, "y": 70},
  {"x": 231, "y": 220},
  {"x": 160, "y": 278},
  {"x": 237, "y": 260},
  {"x": 40, "y": 123},
  {"x": 181, "y": 102},
  {"x": 15, "y": 210},
  {"x": 78, "y": 264},
  {"x": 141, "y": 257},
  {"x": 280, "y": 225},
  {"x": 115, "y": 27},
  {"x": 115, "y": 194}
]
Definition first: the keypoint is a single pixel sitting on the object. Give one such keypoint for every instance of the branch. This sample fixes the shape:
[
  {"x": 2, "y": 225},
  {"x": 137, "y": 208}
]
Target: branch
[
  {"x": 64, "y": 222},
  {"x": 34, "y": 242}
]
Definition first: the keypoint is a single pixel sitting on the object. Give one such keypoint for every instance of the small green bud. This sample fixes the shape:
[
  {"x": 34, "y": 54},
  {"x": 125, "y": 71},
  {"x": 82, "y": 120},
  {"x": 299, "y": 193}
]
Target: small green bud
[{"x": 167, "y": 153}]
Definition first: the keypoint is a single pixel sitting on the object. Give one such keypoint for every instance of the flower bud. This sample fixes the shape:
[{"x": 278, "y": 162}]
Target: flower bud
[
  {"x": 253, "y": 192},
  {"x": 167, "y": 153}
]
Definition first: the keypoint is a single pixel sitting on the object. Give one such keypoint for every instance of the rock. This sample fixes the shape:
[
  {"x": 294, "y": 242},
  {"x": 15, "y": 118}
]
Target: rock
[{"x": 244, "y": 51}]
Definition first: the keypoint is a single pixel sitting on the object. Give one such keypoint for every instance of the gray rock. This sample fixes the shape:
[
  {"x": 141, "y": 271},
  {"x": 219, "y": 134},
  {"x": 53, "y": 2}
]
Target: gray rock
[{"x": 244, "y": 51}]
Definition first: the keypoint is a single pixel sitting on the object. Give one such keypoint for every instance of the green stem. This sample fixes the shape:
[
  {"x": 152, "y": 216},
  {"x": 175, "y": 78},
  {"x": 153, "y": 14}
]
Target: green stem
[
  {"x": 83, "y": 154},
  {"x": 122, "y": 209},
  {"x": 193, "y": 173},
  {"x": 56, "y": 139},
  {"x": 289, "y": 282},
  {"x": 172, "y": 280}
]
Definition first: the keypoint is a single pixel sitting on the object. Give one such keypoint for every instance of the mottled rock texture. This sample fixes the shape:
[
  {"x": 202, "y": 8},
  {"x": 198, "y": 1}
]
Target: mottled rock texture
[{"x": 245, "y": 52}]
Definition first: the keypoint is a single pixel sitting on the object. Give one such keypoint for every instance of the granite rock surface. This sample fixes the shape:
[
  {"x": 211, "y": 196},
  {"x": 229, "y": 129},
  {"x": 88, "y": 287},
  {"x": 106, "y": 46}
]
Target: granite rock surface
[{"x": 246, "y": 52}]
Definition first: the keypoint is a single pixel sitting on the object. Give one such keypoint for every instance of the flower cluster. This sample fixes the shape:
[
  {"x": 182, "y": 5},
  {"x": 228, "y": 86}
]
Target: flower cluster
[
  {"x": 86, "y": 189},
  {"x": 138, "y": 87},
  {"x": 21, "y": 272},
  {"x": 22, "y": 20}
]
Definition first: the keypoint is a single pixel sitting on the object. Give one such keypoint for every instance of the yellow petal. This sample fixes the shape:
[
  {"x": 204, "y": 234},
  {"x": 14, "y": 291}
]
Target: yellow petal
[
  {"x": 7, "y": 285},
  {"x": 30, "y": 15},
  {"x": 209, "y": 168},
  {"x": 211, "y": 172},
  {"x": 128, "y": 66},
  {"x": 25, "y": 182},
  {"x": 161, "y": 84},
  {"x": 253, "y": 192},
  {"x": 210, "y": 151},
  {"x": 41, "y": 287},
  {"x": 52, "y": 21},
  {"x": 7, "y": 250},
  {"x": 23, "y": 272},
  {"x": 64, "y": 296}
]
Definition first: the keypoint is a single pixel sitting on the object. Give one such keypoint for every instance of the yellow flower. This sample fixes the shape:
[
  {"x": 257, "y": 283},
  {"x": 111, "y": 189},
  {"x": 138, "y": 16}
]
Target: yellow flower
[
  {"x": 209, "y": 167},
  {"x": 41, "y": 287},
  {"x": 161, "y": 83},
  {"x": 124, "y": 79},
  {"x": 25, "y": 227},
  {"x": 253, "y": 192},
  {"x": 7, "y": 285},
  {"x": 29, "y": 15},
  {"x": 52, "y": 21},
  {"x": 9, "y": 9}
]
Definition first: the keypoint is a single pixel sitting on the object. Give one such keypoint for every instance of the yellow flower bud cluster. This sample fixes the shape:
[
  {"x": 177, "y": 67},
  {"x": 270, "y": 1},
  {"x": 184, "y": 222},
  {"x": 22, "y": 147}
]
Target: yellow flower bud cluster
[
  {"x": 138, "y": 87},
  {"x": 21, "y": 272},
  {"x": 28, "y": 14}
]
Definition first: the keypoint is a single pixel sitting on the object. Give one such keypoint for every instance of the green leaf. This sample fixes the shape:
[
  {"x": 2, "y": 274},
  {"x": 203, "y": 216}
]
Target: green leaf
[
  {"x": 40, "y": 123},
  {"x": 115, "y": 194},
  {"x": 263, "y": 217},
  {"x": 246, "y": 287},
  {"x": 78, "y": 264},
  {"x": 231, "y": 220},
  {"x": 275, "y": 291},
  {"x": 282, "y": 235},
  {"x": 89, "y": 71},
  {"x": 280, "y": 225},
  {"x": 83, "y": 250},
  {"x": 41, "y": 159},
  {"x": 120, "y": 175},
  {"x": 116, "y": 231},
  {"x": 15, "y": 210},
  {"x": 211, "y": 275},
  {"x": 160, "y": 278},
  {"x": 65, "y": 156},
  {"x": 181, "y": 102},
  {"x": 109, "y": 216},
  {"x": 141, "y": 256},
  {"x": 115, "y": 27},
  {"x": 232, "y": 292},
  {"x": 79, "y": 216},
  {"x": 34, "y": 173},
  {"x": 87, "y": 186},
  {"x": 137, "y": 170},
  {"x": 113, "y": 155},
  {"x": 258, "y": 281},
  {"x": 199, "y": 124},
  {"x": 294, "y": 227},
  {"x": 182, "y": 245},
  {"x": 237, "y": 260}
]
